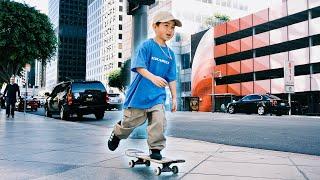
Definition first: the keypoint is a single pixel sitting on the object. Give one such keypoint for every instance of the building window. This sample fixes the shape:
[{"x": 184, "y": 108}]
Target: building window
[
  {"x": 120, "y": 8},
  {"x": 120, "y": 36},
  {"x": 120, "y": 26},
  {"x": 186, "y": 86},
  {"x": 120, "y": 17},
  {"x": 185, "y": 61},
  {"x": 119, "y": 55},
  {"x": 316, "y": 68}
]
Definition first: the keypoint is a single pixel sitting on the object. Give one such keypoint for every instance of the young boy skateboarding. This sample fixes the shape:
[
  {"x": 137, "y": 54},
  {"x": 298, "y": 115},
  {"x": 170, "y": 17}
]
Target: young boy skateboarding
[{"x": 155, "y": 68}]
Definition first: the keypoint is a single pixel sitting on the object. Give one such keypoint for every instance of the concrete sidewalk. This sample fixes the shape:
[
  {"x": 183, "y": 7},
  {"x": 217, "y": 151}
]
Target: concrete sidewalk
[{"x": 35, "y": 147}]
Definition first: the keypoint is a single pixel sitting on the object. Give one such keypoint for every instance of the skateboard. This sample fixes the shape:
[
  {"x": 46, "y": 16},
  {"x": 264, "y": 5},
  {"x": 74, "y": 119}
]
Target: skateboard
[{"x": 144, "y": 159}]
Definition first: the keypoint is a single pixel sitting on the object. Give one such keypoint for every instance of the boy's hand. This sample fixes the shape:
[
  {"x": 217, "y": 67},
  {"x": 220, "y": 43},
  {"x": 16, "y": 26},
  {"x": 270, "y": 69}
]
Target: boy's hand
[
  {"x": 159, "y": 81},
  {"x": 174, "y": 105}
]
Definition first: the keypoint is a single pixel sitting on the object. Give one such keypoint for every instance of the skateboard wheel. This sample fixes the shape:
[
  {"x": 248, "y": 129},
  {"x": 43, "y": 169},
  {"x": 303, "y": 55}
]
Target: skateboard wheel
[
  {"x": 175, "y": 169},
  {"x": 157, "y": 171},
  {"x": 147, "y": 163},
  {"x": 131, "y": 163}
]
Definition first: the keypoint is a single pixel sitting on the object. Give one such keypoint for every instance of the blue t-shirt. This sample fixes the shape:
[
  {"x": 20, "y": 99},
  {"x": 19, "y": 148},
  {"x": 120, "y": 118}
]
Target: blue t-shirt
[{"x": 142, "y": 93}]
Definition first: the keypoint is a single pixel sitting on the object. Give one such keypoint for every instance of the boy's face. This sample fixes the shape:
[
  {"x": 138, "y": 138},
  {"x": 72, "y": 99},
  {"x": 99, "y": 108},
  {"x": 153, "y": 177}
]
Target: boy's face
[{"x": 165, "y": 30}]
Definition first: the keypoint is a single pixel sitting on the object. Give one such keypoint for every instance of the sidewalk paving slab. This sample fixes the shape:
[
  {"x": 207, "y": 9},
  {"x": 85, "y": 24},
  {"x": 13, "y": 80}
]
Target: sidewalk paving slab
[{"x": 36, "y": 147}]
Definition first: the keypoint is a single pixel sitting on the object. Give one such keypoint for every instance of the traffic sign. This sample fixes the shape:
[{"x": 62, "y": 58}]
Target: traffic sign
[{"x": 289, "y": 76}]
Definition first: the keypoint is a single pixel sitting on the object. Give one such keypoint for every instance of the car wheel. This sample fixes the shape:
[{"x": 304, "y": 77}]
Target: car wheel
[
  {"x": 261, "y": 110},
  {"x": 231, "y": 109},
  {"x": 47, "y": 113},
  {"x": 99, "y": 115},
  {"x": 79, "y": 116},
  {"x": 63, "y": 113}
]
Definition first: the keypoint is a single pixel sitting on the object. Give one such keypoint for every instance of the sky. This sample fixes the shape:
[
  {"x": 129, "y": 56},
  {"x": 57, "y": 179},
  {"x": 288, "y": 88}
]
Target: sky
[{"x": 42, "y": 5}]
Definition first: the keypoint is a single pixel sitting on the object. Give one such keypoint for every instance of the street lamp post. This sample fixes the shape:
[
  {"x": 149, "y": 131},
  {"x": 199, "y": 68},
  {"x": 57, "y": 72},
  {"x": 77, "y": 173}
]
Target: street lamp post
[
  {"x": 27, "y": 69},
  {"x": 213, "y": 85},
  {"x": 139, "y": 10}
]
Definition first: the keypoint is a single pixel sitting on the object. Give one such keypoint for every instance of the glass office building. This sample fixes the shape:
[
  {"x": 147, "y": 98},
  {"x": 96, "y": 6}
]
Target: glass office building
[{"x": 69, "y": 19}]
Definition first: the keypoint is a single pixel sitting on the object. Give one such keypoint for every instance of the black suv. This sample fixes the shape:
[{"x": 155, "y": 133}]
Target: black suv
[
  {"x": 81, "y": 98},
  {"x": 261, "y": 104}
]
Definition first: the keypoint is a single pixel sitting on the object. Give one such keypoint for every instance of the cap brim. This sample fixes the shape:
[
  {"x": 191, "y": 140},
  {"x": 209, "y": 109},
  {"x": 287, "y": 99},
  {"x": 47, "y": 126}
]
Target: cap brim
[{"x": 176, "y": 21}]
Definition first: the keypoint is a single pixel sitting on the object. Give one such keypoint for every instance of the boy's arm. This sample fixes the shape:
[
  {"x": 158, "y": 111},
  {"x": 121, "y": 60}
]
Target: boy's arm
[
  {"x": 173, "y": 90},
  {"x": 157, "y": 80},
  {"x": 5, "y": 90}
]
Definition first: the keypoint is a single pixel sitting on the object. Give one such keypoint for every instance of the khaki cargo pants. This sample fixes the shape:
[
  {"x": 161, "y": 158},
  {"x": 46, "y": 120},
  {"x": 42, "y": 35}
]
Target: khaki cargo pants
[{"x": 133, "y": 118}]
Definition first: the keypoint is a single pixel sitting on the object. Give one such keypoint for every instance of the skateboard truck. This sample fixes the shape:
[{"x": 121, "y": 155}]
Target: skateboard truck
[
  {"x": 166, "y": 168},
  {"x": 132, "y": 163}
]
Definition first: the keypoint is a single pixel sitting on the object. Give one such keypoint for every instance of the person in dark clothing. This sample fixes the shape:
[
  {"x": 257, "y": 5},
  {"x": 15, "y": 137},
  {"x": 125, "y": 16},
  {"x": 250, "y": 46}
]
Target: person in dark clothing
[
  {"x": 2, "y": 102},
  {"x": 11, "y": 98}
]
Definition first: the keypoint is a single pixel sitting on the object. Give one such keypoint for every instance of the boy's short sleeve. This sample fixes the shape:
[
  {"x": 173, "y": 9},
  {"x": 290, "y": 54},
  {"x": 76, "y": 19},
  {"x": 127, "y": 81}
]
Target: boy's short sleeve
[
  {"x": 172, "y": 74},
  {"x": 140, "y": 59}
]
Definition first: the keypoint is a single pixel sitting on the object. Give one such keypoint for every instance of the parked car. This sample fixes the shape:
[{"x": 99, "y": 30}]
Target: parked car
[
  {"x": 81, "y": 98},
  {"x": 32, "y": 103},
  {"x": 42, "y": 101},
  {"x": 115, "y": 101},
  {"x": 260, "y": 104},
  {"x": 2, "y": 101}
]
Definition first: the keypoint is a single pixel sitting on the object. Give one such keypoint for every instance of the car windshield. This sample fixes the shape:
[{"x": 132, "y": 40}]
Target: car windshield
[
  {"x": 113, "y": 95},
  {"x": 84, "y": 86},
  {"x": 269, "y": 96}
]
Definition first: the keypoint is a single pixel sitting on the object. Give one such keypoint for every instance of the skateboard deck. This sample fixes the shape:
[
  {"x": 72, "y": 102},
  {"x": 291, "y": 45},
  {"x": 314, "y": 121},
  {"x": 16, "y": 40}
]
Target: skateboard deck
[{"x": 144, "y": 159}]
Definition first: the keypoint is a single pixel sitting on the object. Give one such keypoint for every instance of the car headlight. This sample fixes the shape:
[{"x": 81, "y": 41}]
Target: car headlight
[{"x": 76, "y": 95}]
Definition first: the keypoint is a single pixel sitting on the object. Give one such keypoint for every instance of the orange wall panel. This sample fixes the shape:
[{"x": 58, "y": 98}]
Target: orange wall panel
[
  {"x": 220, "y": 30},
  {"x": 261, "y": 17},
  {"x": 233, "y": 47},
  {"x": 246, "y": 22},
  {"x": 314, "y": 28},
  {"x": 246, "y": 88},
  {"x": 261, "y": 63},
  {"x": 233, "y": 68},
  {"x": 302, "y": 83},
  {"x": 299, "y": 56},
  {"x": 221, "y": 89},
  {"x": 277, "y": 60},
  {"x": 234, "y": 89},
  {"x": 246, "y": 43},
  {"x": 277, "y": 86},
  {"x": 233, "y": 26},
  {"x": 221, "y": 68},
  {"x": 247, "y": 66},
  {"x": 315, "y": 82},
  {"x": 313, "y": 3},
  {"x": 315, "y": 54},
  {"x": 297, "y": 31},
  {"x": 261, "y": 40},
  {"x": 220, "y": 50},
  {"x": 278, "y": 11},
  {"x": 262, "y": 86},
  {"x": 279, "y": 35},
  {"x": 296, "y": 6}
]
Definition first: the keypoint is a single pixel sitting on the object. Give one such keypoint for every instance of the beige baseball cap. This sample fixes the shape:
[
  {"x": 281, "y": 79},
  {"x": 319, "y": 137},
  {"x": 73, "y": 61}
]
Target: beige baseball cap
[{"x": 165, "y": 16}]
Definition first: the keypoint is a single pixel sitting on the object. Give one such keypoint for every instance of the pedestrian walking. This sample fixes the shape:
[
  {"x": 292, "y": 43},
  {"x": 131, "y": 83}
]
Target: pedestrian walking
[{"x": 11, "y": 92}]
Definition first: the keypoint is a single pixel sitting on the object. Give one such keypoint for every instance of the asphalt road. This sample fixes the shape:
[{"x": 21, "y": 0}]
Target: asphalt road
[{"x": 298, "y": 134}]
